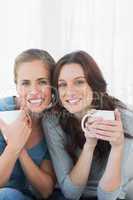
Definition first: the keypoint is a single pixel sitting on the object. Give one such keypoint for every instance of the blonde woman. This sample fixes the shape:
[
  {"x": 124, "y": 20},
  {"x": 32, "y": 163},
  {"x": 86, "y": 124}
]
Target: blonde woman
[{"x": 25, "y": 168}]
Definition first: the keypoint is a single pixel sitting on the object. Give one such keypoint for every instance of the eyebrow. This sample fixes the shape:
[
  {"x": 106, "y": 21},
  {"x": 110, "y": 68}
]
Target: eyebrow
[
  {"x": 39, "y": 79},
  {"x": 43, "y": 78},
  {"x": 74, "y": 78}
]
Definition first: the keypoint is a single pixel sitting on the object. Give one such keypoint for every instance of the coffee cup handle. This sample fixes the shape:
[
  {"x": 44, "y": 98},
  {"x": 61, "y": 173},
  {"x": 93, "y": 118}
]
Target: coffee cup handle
[{"x": 83, "y": 121}]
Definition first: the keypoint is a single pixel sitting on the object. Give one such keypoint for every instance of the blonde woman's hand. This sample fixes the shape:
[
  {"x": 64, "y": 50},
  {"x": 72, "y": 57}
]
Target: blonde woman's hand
[{"x": 17, "y": 133}]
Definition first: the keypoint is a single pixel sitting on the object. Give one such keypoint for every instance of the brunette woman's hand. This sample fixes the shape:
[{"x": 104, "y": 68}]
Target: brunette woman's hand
[
  {"x": 91, "y": 139},
  {"x": 110, "y": 130},
  {"x": 17, "y": 133}
]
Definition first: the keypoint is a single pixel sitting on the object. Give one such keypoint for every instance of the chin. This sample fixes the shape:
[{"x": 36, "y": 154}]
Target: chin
[
  {"x": 38, "y": 109},
  {"x": 74, "y": 110}
]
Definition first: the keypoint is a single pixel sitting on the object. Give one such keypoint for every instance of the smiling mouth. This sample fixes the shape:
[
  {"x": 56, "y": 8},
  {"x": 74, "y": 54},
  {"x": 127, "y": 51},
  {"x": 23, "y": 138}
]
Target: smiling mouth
[
  {"x": 35, "y": 102},
  {"x": 73, "y": 101}
]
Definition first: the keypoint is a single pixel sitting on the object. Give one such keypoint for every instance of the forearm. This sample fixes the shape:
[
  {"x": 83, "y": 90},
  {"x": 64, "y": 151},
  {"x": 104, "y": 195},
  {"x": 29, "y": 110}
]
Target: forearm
[
  {"x": 69, "y": 176},
  {"x": 111, "y": 178},
  {"x": 7, "y": 162},
  {"x": 80, "y": 172},
  {"x": 42, "y": 181}
]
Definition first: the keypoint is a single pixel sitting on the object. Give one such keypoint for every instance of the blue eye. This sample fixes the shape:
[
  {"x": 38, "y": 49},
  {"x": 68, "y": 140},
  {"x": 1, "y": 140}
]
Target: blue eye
[
  {"x": 44, "y": 82},
  {"x": 79, "y": 82},
  {"x": 25, "y": 83}
]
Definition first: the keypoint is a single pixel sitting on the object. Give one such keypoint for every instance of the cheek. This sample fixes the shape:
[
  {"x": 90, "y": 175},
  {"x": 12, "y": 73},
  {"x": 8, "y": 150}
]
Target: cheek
[
  {"x": 61, "y": 95},
  {"x": 47, "y": 93},
  {"x": 88, "y": 95},
  {"x": 22, "y": 92}
]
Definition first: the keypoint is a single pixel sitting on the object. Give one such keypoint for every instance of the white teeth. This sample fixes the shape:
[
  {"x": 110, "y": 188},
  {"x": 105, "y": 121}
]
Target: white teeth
[
  {"x": 36, "y": 101},
  {"x": 72, "y": 101}
]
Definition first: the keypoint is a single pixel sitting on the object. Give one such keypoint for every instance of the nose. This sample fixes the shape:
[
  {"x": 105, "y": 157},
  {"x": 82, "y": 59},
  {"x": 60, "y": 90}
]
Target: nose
[
  {"x": 33, "y": 89},
  {"x": 71, "y": 91}
]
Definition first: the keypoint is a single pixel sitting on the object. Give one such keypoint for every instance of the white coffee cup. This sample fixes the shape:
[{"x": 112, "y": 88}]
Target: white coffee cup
[
  {"x": 105, "y": 114},
  {"x": 9, "y": 116}
]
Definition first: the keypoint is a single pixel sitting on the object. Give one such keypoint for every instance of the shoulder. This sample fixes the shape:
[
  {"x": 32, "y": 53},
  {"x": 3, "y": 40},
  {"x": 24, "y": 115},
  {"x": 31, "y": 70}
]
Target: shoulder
[
  {"x": 127, "y": 120},
  {"x": 50, "y": 117},
  {"x": 7, "y": 103},
  {"x": 52, "y": 128}
]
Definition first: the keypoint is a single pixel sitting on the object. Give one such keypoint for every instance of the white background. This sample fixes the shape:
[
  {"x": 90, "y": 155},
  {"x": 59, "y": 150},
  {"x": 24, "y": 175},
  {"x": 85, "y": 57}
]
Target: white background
[{"x": 103, "y": 28}]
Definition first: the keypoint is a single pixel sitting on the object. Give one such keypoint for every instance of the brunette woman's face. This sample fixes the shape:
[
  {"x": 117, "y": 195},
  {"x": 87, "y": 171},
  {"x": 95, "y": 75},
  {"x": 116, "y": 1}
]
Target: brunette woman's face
[
  {"x": 74, "y": 92},
  {"x": 33, "y": 85}
]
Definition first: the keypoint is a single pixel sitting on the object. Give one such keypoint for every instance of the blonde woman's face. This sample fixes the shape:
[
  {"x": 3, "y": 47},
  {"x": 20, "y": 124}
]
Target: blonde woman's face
[
  {"x": 33, "y": 85},
  {"x": 74, "y": 92}
]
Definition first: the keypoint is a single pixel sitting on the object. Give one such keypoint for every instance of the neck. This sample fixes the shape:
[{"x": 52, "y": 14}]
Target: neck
[
  {"x": 36, "y": 118},
  {"x": 79, "y": 115},
  {"x": 36, "y": 125}
]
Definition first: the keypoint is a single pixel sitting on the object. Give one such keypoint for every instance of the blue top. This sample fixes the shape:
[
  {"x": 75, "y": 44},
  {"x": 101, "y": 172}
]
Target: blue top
[{"x": 38, "y": 153}]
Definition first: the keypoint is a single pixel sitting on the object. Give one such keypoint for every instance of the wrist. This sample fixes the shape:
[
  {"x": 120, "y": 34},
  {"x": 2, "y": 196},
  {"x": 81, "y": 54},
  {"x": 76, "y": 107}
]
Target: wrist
[
  {"x": 89, "y": 147},
  {"x": 117, "y": 151},
  {"x": 13, "y": 150},
  {"x": 23, "y": 152},
  {"x": 117, "y": 147}
]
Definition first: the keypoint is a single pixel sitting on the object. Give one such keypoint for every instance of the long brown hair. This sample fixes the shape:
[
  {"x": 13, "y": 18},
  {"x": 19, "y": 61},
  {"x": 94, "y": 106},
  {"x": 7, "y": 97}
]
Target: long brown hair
[{"x": 101, "y": 100}]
